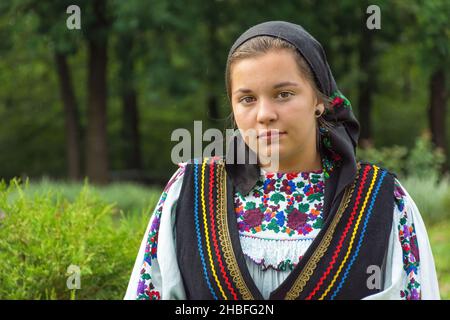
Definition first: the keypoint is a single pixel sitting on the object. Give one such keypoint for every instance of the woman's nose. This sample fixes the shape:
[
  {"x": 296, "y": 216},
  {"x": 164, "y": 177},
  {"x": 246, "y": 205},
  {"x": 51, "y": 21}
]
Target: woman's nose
[{"x": 266, "y": 112}]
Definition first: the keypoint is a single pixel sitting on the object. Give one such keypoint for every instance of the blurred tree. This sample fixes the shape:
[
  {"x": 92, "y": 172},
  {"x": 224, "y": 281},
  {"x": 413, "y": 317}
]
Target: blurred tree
[
  {"x": 432, "y": 35},
  {"x": 429, "y": 30},
  {"x": 96, "y": 28},
  {"x": 127, "y": 28},
  {"x": 64, "y": 44}
]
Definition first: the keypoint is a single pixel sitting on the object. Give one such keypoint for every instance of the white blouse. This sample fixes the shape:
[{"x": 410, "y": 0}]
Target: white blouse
[{"x": 273, "y": 242}]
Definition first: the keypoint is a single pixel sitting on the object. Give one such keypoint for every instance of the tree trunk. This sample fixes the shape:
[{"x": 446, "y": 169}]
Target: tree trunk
[
  {"x": 72, "y": 122},
  {"x": 130, "y": 130},
  {"x": 97, "y": 164},
  {"x": 437, "y": 111},
  {"x": 131, "y": 142}
]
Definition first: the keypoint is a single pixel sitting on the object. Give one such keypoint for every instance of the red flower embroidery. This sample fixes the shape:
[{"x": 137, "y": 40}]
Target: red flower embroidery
[
  {"x": 253, "y": 217},
  {"x": 292, "y": 175},
  {"x": 337, "y": 101},
  {"x": 154, "y": 295},
  {"x": 296, "y": 219}
]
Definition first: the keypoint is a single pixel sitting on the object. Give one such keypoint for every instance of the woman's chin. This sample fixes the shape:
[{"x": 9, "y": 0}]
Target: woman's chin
[{"x": 271, "y": 155}]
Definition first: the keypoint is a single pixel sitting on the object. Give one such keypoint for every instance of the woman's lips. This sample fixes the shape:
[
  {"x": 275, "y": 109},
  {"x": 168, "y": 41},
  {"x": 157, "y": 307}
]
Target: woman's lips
[{"x": 271, "y": 135}]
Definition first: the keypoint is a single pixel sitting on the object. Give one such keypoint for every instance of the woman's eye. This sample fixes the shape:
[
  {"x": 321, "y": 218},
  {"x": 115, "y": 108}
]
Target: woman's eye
[
  {"x": 284, "y": 94},
  {"x": 246, "y": 99}
]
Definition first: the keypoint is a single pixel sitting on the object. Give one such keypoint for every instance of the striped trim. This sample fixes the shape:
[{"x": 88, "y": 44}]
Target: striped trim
[
  {"x": 352, "y": 239},
  {"x": 197, "y": 229},
  {"x": 214, "y": 252},
  {"x": 311, "y": 265},
  {"x": 213, "y": 228},
  {"x": 225, "y": 238},
  {"x": 344, "y": 234},
  {"x": 355, "y": 254},
  {"x": 205, "y": 225}
]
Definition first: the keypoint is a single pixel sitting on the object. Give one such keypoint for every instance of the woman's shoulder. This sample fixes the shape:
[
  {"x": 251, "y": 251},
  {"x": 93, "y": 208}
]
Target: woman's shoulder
[
  {"x": 183, "y": 167},
  {"x": 400, "y": 194},
  {"x": 379, "y": 166},
  {"x": 177, "y": 177},
  {"x": 205, "y": 160}
]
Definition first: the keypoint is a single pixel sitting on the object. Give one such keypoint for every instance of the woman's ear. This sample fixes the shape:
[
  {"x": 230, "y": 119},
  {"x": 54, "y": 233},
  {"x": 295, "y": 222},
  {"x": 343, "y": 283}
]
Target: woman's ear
[{"x": 320, "y": 107}]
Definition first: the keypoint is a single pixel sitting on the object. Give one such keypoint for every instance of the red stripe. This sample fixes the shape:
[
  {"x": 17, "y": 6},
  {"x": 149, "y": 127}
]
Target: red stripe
[
  {"x": 213, "y": 230},
  {"x": 341, "y": 240}
]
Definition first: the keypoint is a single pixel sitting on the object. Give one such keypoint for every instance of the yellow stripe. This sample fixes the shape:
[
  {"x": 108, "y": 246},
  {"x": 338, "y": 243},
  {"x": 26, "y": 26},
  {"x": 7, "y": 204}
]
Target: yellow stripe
[
  {"x": 314, "y": 260},
  {"x": 206, "y": 231},
  {"x": 355, "y": 230},
  {"x": 225, "y": 238}
]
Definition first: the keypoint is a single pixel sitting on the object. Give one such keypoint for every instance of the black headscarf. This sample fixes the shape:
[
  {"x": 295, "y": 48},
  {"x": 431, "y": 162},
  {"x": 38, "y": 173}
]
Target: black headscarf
[{"x": 338, "y": 143}]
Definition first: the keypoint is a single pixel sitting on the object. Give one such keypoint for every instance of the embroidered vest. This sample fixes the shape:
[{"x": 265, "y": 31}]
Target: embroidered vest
[{"x": 343, "y": 261}]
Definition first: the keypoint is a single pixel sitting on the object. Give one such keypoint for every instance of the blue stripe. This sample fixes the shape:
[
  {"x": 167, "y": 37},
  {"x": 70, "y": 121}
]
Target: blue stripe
[
  {"x": 355, "y": 254},
  {"x": 197, "y": 228}
]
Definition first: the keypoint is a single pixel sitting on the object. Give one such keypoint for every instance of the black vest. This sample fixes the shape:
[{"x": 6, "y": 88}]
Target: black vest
[{"x": 340, "y": 263}]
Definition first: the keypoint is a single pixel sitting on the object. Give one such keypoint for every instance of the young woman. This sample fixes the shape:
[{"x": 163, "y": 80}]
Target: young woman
[{"x": 314, "y": 224}]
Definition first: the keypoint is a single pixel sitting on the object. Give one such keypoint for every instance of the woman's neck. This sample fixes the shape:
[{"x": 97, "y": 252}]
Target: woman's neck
[{"x": 306, "y": 163}]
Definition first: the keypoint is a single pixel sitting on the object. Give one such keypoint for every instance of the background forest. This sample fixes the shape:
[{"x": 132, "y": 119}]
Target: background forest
[{"x": 87, "y": 116}]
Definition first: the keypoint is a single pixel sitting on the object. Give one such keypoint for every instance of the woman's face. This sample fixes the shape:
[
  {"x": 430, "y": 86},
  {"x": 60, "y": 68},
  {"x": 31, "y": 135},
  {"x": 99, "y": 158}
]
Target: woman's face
[{"x": 269, "y": 93}]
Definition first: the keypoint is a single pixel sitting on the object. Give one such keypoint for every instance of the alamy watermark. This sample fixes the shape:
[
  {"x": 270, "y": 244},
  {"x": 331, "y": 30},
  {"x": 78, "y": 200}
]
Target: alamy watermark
[
  {"x": 374, "y": 20},
  {"x": 374, "y": 280},
  {"x": 74, "y": 280},
  {"x": 264, "y": 145},
  {"x": 73, "y": 22}
]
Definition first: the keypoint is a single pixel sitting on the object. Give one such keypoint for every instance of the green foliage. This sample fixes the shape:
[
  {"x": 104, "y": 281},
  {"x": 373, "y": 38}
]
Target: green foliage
[
  {"x": 129, "y": 198},
  {"x": 431, "y": 196},
  {"x": 439, "y": 235},
  {"x": 422, "y": 161},
  {"x": 425, "y": 160},
  {"x": 42, "y": 234},
  {"x": 391, "y": 158},
  {"x": 432, "y": 18},
  {"x": 418, "y": 170}
]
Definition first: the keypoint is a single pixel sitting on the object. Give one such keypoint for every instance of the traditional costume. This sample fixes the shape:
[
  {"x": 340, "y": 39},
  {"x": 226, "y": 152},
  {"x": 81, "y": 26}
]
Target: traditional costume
[{"x": 223, "y": 230}]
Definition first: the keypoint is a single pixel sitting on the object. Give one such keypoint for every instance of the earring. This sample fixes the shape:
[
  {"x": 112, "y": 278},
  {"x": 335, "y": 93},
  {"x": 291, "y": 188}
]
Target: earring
[{"x": 318, "y": 113}]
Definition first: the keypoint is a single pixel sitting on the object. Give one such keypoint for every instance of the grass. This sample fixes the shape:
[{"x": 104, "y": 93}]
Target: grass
[
  {"x": 43, "y": 231},
  {"x": 46, "y": 226},
  {"x": 439, "y": 235}
]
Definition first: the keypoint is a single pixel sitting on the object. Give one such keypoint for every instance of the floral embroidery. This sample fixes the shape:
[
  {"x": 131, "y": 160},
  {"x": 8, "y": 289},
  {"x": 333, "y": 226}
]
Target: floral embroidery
[
  {"x": 287, "y": 203},
  {"x": 145, "y": 287},
  {"x": 253, "y": 217},
  {"x": 410, "y": 248},
  {"x": 297, "y": 220},
  {"x": 282, "y": 207},
  {"x": 339, "y": 100},
  {"x": 146, "y": 290},
  {"x": 283, "y": 265}
]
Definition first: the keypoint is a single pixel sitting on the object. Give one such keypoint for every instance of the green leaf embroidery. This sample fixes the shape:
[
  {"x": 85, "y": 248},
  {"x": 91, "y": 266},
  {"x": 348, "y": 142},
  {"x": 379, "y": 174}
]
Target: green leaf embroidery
[
  {"x": 315, "y": 196},
  {"x": 303, "y": 207},
  {"x": 277, "y": 197},
  {"x": 250, "y": 205},
  {"x": 318, "y": 224}
]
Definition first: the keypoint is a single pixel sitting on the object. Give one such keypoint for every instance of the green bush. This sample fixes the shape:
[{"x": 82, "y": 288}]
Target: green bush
[
  {"x": 392, "y": 158},
  {"x": 128, "y": 197},
  {"x": 422, "y": 161},
  {"x": 432, "y": 197},
  {"x": 41, "y": 235},
  {"x": 419, "y": 172},
  {"x": 439, "y": 235}
]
